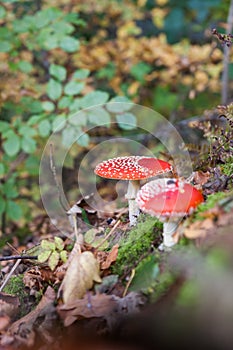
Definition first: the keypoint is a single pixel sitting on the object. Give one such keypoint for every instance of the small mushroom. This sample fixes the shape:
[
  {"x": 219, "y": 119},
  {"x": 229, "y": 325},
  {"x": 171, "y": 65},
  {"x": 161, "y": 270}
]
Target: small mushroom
[
  {"x": 168, "y": 199},
  {"x": 134, "y": 169}
]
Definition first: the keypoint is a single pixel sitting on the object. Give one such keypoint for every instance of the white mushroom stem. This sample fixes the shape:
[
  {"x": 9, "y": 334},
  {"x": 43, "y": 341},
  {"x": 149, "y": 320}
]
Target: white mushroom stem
[
  {"x": 169, "y": 229},
  {"x": 133, "y": 188}
]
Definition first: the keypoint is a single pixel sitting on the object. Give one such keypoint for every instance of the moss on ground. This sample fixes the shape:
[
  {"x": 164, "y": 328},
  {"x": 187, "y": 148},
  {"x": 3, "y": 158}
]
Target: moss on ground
[
  {"x": 15, "y": 286},
  {"x": 137, "y": 243},
  {"x": 227, "y": 168}
]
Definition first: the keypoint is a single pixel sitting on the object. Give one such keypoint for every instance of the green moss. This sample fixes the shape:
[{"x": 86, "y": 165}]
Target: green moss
[
  {"x": 15, "y": 286},
  {"x": 227, "y": 168},
  {"x": 137, "y": 242}
]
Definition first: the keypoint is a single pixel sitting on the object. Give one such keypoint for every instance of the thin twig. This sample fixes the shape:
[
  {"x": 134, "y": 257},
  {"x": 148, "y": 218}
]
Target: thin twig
[
  {"x": 129, "y": 282},
  {"x": 54, "y": 172},
  {"x": 17, "y": 257},
  {"x": 109, "y": 234},
  {"x": 13, "y": 248},
  {"x": 10, "y": 274}
]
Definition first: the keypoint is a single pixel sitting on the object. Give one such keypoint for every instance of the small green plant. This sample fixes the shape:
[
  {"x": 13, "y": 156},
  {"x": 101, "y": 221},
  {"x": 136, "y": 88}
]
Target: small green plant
[{"x": 52, "y": 252}]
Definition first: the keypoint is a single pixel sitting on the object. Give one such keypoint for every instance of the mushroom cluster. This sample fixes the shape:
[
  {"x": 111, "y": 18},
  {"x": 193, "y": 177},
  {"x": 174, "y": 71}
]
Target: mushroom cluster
[
  {"x": 169, "y": 199},
  {"x": 133, "y": 169}
]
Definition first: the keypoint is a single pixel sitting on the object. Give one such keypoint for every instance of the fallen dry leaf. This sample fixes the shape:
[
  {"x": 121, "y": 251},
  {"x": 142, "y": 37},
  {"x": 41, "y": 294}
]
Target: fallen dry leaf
[
  {"x": 9, "y": 304},
  {"x": 4, "y": 322},
  {"x": 35, "y": 277},
  {"x": 90, "y": 306},
  {"x": 111, "y": 257},
  {"x": 82, "y": 271},
  {"x": 111, "y": 307},
  {"x": 199, "y": 229},
  {"x": 22, "y": 332},
  {"x": 200, "y": 177}
]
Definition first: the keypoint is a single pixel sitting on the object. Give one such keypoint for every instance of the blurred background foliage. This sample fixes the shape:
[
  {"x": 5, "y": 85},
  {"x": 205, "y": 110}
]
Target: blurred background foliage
[{"x": 58, "y": 57}]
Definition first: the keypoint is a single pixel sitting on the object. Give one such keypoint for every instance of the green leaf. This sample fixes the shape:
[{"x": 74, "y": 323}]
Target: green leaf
[
  {"x": 75, "y": 105},
  {"x": 49, "y": 42},
  {"x": 33, "y": 106},
  {"x": 5, "y": 46},
  {"x": 48, "y": 106},
  {"x": 140, "y": 70},
  {"x": 164, "y": 99},
  {"x": 81, "y": 74},
  {"x": 59, "y": 243},
  {"x": 62, "y": 28},
  {"x": 32, "y": 165},
  {"x": 69, "y": 44},
  {"x": 44, "y": 128},
  {"x": 73, "y": 18},
  {"x": 9, "y": 189},
  {"x": 65, "y": 102},
  {"x": 94, "y": 98},
  {"x": 53, "y": 260},
  {"x": 53, "y": 13},
  {"x": 43, "y": 256},
  {"x": 63, "y": 256},
  {"x": 97, "y": 243},
  {"x": 23, "y": 25},
  {"x": 12, "y": 145},
  {"x": 27, "y": 131},
  {"x": 78, "y": 119},
  {"x": 69, "y": 135},
  {"x": 58, "y": 72},
  {"x": 2, "y": 12},
  {"x": 119, "y": 104},
  {"x": 13, "y": 210},
  {"x": 41, "y": 19},
  {"x": 2, "y": 205},
  {"x": 73, "y": 88},
  {"x": 2, "y": 169},
  {"x": 83, "y": 140},
  {"x": 4, "y": 126},
  {"x": 89, "y": 236},
  {"x": 34, "y": 119},
  {"x": 28, "y": 145},
  {"x": 145, "y": 274},
  {"x": 126, "y": 121},
  {"x": 58, "y": 123},
  {"x": 107, "y": 72},
  {"x": 25, "y": 66},
  {"x": 189, "y": 294},
  {"x": 54, "y": 89},
  {"x": 47, "y": 245},
  {"x": 99, "y": 116}
]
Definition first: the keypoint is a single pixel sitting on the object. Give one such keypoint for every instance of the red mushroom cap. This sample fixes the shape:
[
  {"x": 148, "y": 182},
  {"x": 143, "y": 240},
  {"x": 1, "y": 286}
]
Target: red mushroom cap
[
  {"x": 168, "y": 197},
  {"x": 132, "y": 168}
]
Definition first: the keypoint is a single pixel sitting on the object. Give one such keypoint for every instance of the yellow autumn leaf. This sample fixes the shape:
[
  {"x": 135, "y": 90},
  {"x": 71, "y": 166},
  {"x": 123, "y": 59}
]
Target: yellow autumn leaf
[{"x": 80, "y": 275}]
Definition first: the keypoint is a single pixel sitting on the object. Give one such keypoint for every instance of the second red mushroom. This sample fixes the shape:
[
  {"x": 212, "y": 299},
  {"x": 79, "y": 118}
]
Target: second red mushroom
[{"x": 169, "y": 200}]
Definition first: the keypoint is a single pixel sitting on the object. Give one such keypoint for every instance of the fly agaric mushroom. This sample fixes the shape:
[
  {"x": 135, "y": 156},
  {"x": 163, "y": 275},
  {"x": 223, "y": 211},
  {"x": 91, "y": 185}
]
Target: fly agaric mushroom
[
  {"x": 170, "y": 200},
  {"x": 134, "y": 169}
]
